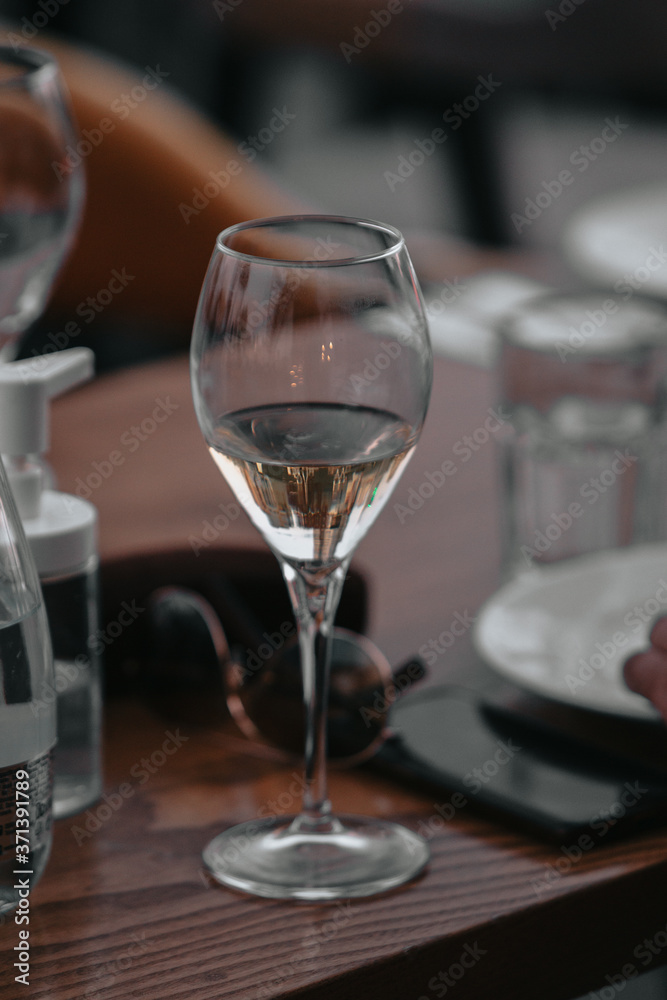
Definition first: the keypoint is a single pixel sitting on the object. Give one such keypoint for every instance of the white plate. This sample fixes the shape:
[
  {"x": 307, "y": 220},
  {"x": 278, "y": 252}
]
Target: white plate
[
  {"x": 620, "y": 237},
  {"x": 564, "y": 631}
]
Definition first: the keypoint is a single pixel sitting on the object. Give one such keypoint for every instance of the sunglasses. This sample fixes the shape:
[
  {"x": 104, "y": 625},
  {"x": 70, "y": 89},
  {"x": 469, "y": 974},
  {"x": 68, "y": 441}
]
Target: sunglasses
[{"x": 263, "y": 688}]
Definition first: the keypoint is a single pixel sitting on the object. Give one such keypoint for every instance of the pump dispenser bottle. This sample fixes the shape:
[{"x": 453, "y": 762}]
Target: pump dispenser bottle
[{"x": 62, "y": 534}]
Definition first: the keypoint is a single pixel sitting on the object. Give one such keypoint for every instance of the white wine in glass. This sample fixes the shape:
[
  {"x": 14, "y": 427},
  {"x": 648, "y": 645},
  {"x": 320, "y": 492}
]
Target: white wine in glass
[{"x": 311, "y": 373}]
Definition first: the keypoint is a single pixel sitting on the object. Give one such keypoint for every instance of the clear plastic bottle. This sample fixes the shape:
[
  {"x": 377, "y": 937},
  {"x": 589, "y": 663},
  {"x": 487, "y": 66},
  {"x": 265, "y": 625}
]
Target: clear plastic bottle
[
  {"x": 27, "y": 727},
  {"x": 62, "y": 534}
]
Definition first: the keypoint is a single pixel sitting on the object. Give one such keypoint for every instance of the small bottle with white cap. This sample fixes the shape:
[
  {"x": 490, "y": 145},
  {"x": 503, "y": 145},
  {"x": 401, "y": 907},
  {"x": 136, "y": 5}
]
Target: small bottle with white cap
[{"x": 62, "y": 534}]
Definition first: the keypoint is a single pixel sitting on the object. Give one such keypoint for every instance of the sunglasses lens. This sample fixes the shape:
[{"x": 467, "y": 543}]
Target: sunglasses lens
[
  {"x": 189, "y": 649},
  {"x": 271, "y": 698}
]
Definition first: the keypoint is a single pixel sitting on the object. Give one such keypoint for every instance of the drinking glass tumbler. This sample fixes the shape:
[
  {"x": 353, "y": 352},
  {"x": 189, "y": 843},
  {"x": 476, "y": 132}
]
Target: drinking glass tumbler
[{"x": 582, "y": 389}]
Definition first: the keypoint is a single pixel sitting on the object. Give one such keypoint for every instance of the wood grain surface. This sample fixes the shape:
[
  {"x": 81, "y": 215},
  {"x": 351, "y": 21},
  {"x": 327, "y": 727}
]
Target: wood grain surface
[{"x": 124, "y": 909}]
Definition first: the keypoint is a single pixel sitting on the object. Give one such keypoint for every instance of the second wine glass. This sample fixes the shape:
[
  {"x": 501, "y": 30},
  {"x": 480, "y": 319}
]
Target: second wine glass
[
  {"x": 41, "y": 195},
  {"x": 311, "y": 374}
]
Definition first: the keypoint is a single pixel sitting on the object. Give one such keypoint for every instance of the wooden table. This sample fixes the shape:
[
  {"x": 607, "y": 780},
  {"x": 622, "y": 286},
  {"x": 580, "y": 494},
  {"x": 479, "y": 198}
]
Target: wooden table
[{"x": 124, "y": 909}]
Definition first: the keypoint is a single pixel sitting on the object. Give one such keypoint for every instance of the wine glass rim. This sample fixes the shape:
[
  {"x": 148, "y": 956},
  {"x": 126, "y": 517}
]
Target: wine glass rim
[
  {"x": 33, "y": 61},
  {"x": 276, "y": 220}
]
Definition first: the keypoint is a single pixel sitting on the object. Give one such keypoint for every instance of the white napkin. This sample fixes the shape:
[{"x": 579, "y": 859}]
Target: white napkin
[{"x": 463, "y": 315}]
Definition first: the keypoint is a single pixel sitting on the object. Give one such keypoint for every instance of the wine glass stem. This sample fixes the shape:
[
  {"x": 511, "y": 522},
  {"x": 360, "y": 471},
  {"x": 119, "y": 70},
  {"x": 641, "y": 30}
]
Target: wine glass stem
[{"x": 315, "y": 596}]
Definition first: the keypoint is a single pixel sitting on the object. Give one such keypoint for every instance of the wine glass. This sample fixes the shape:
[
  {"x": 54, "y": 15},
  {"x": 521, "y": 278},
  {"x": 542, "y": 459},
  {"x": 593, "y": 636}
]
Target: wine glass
[
  {"x": 41, "y": 194},
  {"x": 311, "y": 374}
]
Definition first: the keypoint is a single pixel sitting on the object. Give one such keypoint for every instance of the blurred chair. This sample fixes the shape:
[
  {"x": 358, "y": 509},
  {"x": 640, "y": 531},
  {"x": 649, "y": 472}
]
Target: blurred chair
[{"x": 162, "y": 182}]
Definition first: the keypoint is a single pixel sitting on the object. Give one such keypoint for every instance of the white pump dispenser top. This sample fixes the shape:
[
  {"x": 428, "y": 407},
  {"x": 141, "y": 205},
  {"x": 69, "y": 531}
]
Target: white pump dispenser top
[
  {"x": 61, "y": 528},
  {"x": 25, "y": 390}
]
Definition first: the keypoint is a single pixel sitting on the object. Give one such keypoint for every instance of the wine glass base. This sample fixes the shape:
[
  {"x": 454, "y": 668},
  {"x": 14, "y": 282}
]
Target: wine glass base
[{"x": 295, "y": 858}]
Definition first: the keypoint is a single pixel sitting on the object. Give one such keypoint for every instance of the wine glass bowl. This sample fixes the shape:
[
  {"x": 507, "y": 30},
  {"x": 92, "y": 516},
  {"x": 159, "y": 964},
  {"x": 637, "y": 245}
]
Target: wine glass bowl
[
  {"x": 311, "y": 373},
  {"x": 40, "y": 196}
]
